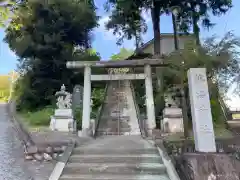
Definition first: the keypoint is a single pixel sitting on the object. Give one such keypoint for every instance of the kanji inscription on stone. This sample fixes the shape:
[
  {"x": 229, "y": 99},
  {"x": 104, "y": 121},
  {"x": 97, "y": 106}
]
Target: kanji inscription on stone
[{"x": 201, "y": 110}]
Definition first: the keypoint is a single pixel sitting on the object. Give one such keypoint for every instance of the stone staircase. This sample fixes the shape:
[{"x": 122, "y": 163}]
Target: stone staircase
[
  {"x": 119, "y": 116},
  {"x": 115, "y": 158}
]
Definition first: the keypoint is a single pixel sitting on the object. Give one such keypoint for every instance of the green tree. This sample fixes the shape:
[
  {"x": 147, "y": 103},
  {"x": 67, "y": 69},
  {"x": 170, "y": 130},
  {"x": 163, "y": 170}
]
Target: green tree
[
  {"x": 122, "y": 55},
  {"x": 221, "y": 60},
  {"x": 126, "y": 14},
  {"x": 191, "y": 11},
  {"x": 50, "y": 34},
  {"x": 6, "y": 7}
]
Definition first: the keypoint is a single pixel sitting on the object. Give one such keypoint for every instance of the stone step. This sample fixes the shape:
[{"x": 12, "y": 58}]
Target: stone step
[
  {"x": 114, "y": 151},
  {"x": 116, "y": 126},
  {"x": 115, "y": 168},
  {"x": 110, "y": 128},
  {"x": 115, "y": 158},
  {"x": 114, "y": 177},
  {"x": 116, "y": 122},
  {"x": 111, "y": 124},
  {"x": 123, "y": 126},
  {"x": 120, "y": 119},
  {"x": 112, "y": 133}
]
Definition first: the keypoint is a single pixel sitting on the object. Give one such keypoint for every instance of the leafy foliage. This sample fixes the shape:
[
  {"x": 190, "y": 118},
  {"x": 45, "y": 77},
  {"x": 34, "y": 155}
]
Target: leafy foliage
[
  {"x": 126, "y": 21},
  {"x": 6, "y": 7},
  {"x": 78, "y": 118},
  {"x": 122, "y": 55},
  {"x": 97, "y": 97},
  {"x": 39, "y": 117},
  {"x": 221, "y": 60},
  {"x": 190, "y": 12},
  {"x": 50, "y": 34}
]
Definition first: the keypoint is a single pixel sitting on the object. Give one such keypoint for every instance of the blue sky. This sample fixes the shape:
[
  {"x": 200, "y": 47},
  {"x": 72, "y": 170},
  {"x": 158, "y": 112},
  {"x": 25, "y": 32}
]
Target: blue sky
[{"x": 105, "y": 43}]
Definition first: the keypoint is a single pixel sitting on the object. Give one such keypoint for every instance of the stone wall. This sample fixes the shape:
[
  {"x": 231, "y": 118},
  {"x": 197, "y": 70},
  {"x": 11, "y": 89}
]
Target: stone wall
[
  {"x": 191, "y": 165},
  {"x": 208, "y": 166}
]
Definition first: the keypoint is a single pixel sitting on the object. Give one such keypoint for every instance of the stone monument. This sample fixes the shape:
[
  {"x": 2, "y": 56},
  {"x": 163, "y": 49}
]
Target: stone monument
[
  {"x": 77, "y": 97},
  {"x": 201, "y": 111},
  {"x": 172, "y": 115},
  {"x": 63, "y": 116}
]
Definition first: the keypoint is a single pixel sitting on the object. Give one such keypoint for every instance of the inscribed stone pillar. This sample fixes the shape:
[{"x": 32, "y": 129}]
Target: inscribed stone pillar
[
  {"x": 201, "y": 111},
  {"x": 151, "y": 121},
  {"x": 77, "y": 97},
  {"x": 86, "y": 100}
]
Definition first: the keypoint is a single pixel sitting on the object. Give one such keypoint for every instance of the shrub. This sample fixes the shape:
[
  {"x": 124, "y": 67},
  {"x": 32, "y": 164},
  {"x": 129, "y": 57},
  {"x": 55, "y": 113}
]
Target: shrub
[
  {"x": 216, "y": 111},
  {"x": 78, "y": 117},
  {"x": 39, "y": 118}
]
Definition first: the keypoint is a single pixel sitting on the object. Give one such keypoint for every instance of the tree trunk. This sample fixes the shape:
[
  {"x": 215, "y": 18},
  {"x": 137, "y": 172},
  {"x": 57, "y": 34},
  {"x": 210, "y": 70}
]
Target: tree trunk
[
  {"x": 183, "y": 96},
  {"x": 176, "y": 43},
  {"x": 155, "y": 13},
  {"x": 196, "y": 29},
  {"x": 156, "y": 29},
  {"x": 137, "y": 42}
]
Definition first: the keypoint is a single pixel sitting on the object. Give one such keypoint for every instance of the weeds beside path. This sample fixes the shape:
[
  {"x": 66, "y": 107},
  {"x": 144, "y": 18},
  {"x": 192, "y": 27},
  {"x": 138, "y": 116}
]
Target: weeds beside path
[{"x": 37, "y": 119}]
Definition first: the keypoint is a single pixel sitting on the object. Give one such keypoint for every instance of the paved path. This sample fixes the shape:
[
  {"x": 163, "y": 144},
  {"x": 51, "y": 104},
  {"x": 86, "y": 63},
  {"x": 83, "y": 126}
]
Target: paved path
[{"x": 12, "y": 164}]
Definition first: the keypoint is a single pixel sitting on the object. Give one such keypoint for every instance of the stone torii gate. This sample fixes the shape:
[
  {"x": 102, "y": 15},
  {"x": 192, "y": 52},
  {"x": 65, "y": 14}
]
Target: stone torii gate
[{"x": 88, "y": 77}]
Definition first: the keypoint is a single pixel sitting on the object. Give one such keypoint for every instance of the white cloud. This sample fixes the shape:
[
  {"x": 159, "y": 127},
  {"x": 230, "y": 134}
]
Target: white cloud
[
  {"x": 147, "y": 16},
  {"x": 106, "y": 34}
]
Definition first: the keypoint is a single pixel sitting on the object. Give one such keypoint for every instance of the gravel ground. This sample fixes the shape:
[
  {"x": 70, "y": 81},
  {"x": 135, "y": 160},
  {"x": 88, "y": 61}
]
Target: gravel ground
[{"x": 13, "y": 166}]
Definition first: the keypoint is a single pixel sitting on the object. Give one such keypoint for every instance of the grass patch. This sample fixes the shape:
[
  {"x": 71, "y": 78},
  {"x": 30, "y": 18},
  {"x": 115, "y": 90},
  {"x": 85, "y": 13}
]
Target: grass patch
[
  {"x": 37, "y": 118},
  {"x": 222, "y": 132},
  {"x": 219, "y": 130},
  {"x": 4, "y": 100}
]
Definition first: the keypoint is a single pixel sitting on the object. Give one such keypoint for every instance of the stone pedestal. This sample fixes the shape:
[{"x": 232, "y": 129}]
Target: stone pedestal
[
  {"x": 172, "y": 120},
  {"x": 208, "y": 166},
  {"x": 62, "y": 120}
]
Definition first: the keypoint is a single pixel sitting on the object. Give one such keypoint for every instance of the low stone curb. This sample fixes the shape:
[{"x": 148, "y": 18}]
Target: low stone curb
[
  {"x": 172, "y": 173},
  {"x": 35, "y": 151},
  {"x": 57, "y": 171},
  {"x": 22, "y": 132}
]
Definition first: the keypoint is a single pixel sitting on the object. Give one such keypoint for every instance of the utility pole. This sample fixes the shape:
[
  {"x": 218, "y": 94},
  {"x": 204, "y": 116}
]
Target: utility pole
[{"x": 182, "y": 94}]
